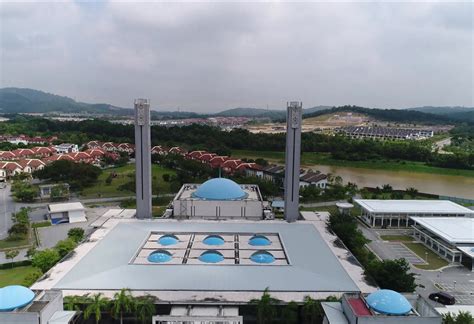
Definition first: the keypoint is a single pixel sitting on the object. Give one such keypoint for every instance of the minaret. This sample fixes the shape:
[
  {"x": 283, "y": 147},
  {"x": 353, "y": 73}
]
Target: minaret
[
  {"x": 143, "y": 158},
  {"x": 292, "y": 160}
]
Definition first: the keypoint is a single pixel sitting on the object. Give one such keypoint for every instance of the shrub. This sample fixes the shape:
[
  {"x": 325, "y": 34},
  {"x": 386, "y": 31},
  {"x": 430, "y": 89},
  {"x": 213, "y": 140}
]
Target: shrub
[
  {"x": 63, "y": 247},
  {"x": 76, "y": 234},
  {"x": 45, "y": 260}
]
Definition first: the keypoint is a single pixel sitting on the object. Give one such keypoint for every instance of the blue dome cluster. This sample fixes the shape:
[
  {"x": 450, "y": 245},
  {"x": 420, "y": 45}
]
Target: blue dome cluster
[
  {"x": 13, "y": 297},
  {"x": 219, "y": 189},
  {"x": 168, "y": 239},
  {"x": 259, "y": 240},
  {"x": 214, "y": 240},
  {"x": 211, "y": 256},
  {"x": 262, "y": 257},
  {"x": 160, "y": 256},
  {"x": 388, "y": 302}
]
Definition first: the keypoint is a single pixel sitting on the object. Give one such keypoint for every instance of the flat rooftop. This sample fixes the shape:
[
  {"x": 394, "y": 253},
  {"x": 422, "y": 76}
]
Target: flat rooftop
[
  {"x": 413, "y": 206},
  {"x": 64, "y": 207},
  {"x": 109, "y": 265},
  {"x": 455, "y": 230}
]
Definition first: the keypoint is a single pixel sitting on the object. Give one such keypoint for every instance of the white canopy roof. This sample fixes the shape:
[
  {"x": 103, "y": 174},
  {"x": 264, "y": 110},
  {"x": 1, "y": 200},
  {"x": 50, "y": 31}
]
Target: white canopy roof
[
  {"x": 412, "y": 206},
  {"x": 454, "y": 230},
  {"x": 65, "y": 207}
]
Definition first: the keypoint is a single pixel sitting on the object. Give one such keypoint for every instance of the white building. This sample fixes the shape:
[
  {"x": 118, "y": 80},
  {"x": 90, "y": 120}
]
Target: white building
[
  {"x": 452, "y": 238},
  {"x": 219, "y": 198},
  {"x": 397, "y": 213},
  {"x": 317, "y": 179},
  {"x": 65, "y": 148},
  {"x": 67, "y": 213}
]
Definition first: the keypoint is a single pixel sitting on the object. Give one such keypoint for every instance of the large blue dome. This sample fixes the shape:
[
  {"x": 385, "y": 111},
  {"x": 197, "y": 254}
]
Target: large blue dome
[
  {"x": 13, "y": 297},
  {"x": 219, "y": 189},
  {"x": 388, "y": 302}
]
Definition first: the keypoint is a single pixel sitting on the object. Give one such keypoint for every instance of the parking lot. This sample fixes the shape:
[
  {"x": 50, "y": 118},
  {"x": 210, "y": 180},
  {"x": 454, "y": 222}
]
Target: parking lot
[
  {"x": 401, "y": 251},
  {"x": 463, "y": 292}
]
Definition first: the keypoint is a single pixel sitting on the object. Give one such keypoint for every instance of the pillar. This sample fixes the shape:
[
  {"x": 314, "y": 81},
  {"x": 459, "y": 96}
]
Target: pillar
[
  {"x": 143, "y": 158},
  {"x": 292, "y": 160}
]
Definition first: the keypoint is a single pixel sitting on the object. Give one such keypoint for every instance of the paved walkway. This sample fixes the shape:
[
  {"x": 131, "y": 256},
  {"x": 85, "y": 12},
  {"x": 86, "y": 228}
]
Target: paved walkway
[{"x": 401, "y": 251}]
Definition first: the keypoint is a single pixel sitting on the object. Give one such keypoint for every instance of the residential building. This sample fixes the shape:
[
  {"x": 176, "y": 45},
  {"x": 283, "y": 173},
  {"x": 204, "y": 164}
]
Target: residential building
[
  {"x": 311, "y": 178},
  {"x": 67, "y": 213},
  {"x": 66, "y": 148}
]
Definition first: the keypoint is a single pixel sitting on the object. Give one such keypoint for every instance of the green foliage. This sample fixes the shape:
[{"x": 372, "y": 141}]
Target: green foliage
[
  {"x": 18, "y": 229},
  {"x": 76, "y": 234},
  {"x": 266, "y": 308},
  {"x": 78, "y": 175},
  {"x": 11, "y": 254},
  {"x": 122, "y": 303},
  {"x": 45, "y": 260},
  {"x": 32, "y": 277},
  {"x": 30, "y": 252},
  {"x": 460, "y": 318},
  {"x": 312, "y": 311},
  {"x": 392, "y": 274},
  {"x": 96, "y": 306},
  {"x": 24, "y": 192},
  {"x": 144, "y": 308},
  {"x": 290, "y": 313},
  {"x": 58, "y": 192},
  {"x": 73, "y": 303},
  {"x": 63, "y": 247},
  {"x": 21, "y": 226}
]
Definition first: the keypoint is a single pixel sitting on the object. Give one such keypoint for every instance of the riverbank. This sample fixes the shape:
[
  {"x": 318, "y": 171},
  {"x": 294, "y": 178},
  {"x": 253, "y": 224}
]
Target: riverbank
[{"x": 311, "y": 159}]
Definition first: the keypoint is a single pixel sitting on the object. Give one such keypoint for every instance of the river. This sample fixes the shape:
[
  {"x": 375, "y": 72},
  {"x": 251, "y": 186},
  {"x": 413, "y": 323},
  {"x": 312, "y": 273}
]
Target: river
[{"x": 447, "y": 185}]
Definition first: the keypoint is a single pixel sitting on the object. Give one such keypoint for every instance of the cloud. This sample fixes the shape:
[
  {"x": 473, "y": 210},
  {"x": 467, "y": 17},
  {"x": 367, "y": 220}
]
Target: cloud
[{"x": 211, "y": 56}]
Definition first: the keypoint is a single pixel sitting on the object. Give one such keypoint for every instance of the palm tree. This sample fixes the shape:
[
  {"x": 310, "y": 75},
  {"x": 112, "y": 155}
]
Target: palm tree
[
  {"x": 412, "y": 192},
  {"x": 266, "y": 310},
  {"x": 312, "y": 311},
  {"x": 96, "y": 306},
  {"x": 290, "y": 313},
  {"x": 72, "y": 302},
  {"x": 123, "y": 302},
  {"x": 144, "y": 308}
]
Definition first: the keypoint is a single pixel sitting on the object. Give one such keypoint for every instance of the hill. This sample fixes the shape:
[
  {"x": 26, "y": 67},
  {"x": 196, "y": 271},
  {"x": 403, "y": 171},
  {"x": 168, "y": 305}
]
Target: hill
[
  {"x": 455, "y": 112},
  {"x": 20, "y": 100},
  {"x": 391, "y": 115},
  {"x": 264, "y": 113}
]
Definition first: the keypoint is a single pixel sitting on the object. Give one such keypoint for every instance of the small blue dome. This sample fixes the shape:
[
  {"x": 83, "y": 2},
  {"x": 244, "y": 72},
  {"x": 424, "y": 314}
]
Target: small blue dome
[
  {"x": 160, "y": 256},
  {"x": 262, "y": 257},
  {"x": 168, "y": 239},
  {"x": 13, "y": 297},
  {"x": 219, "y": 189},
  {"x": 259, "y": 240},
  {"x": 388, "y": 302},
  {"x": 211, "y": 256},
  {"x": 214, "y": 240}
]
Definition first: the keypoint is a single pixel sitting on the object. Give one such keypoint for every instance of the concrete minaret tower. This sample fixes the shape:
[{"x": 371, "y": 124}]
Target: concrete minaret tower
[
  {"x": 292, "y": 160},
  {"x": 143, "y": 158}
]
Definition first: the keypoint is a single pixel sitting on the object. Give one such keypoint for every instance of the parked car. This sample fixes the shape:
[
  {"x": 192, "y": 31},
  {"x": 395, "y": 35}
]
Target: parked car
[{"x": 442, "y": 298}]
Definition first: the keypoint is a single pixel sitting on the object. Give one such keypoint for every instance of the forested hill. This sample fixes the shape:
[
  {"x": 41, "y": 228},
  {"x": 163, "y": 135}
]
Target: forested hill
[
  {"x": 265, "y": 113},
  {"x": 390, "y": 115},
  {"x": 457, "y": 113}
]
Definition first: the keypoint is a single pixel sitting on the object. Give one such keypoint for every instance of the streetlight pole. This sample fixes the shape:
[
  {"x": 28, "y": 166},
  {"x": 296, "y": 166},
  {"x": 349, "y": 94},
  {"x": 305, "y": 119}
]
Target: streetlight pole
[
  {"x": 426, "y": 257},
  {"x": 454, "y": 284}
]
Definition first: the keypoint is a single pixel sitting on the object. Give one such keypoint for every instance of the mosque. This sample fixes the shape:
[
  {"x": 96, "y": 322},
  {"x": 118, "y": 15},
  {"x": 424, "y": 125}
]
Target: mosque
[{"x": 218, "y": 249}]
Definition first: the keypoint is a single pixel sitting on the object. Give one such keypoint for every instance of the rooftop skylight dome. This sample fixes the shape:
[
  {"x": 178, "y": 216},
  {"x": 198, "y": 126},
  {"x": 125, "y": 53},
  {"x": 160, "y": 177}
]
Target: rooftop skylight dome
[
  {"x": 13, "y": 297},
  {"x": 219, "y": 189},
  {"x": 388, "y": 302}
]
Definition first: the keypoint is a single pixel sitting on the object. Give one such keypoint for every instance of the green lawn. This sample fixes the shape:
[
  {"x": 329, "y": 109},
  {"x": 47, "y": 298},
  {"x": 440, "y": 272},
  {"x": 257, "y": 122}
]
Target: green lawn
[
  {"x": 14, "y": 276},
  {"x": 4, "y": 244},
  {"x": 125, "y": 174},
  {"x": 434, "y": 261},
  {"x": 314, "y": 158},
  {"x": 331, "y": 209},
  {"x": 397, "y": 238}
]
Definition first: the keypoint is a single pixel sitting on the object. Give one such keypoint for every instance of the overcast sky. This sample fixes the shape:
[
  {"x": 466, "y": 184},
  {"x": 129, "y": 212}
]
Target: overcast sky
[{"x": 212, "y": 56}]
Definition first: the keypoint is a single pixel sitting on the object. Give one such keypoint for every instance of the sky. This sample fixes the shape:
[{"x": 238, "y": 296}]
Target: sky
[{"x": 207, "y": 57}]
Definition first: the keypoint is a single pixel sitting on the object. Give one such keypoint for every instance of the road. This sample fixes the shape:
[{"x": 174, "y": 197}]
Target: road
[{"x": 439, "y": 145}]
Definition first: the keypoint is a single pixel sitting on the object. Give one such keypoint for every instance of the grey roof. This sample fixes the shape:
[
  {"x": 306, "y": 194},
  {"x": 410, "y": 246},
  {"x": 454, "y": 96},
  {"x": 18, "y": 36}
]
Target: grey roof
[
  {"x": 313, "y": 267},
  {"x": 334, "y": 312},
  {"x": 412, "y": 206}
]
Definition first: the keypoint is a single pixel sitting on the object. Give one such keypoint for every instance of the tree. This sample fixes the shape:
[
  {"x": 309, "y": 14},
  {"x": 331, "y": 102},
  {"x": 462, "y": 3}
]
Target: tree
[
  {"x": 123, "y": 302},
  {"x": 166, "y": 177},
  {"x": 290, "y": 313},
  {"x": 30, "y": 252},
  {"x": 266, "y": 310},
  {"x": 32, "y": 277},
  {"x": 76, "y": 234},
  {"x": 45, "y": 260},
  {"x": 412, "y": 192},
  {"x": 392, "y": 274},
  {"x": 78, "y": 175},
  {"x": 96, "y": 306},
  {"x": 72, "y": 303},
  {"x": 144, "y": 308},
  {"x": 12, "y": 254},
  {"x": 460, "y": 318},
  {"x": 65, "y": 246},
  {"x": 387, "y": 188},
  {"x": 312, "y": 311},
  {"x": 24, "y": 192}
]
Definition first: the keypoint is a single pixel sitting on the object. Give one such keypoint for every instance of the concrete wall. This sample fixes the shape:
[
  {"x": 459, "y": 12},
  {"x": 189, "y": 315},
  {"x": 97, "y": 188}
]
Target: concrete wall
[
  {"x": 217, "y": 209},
  {"x": 19, "y": 318}
]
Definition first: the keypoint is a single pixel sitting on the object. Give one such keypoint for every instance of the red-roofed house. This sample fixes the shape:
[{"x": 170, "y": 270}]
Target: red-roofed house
[
  {"x": 206, "y": 157},
  {"x": 244, "y": 166},
  {"x": 7, "y": 156},
  {"x": 9, "y": 169},
  {"x": 94, "y": 144},
  {"x": 217, "y": 161},
  {"x": 23, "y": 153},
  {"x": 31, "y": 165},
  {"x": 177, "y": 150},
  {"x": 158, "y": 150},
  {"x": 126, "y": 147},
  {"x": 231, "y": 165},
  {"x": 43, "y": 151},
  {"x": 95, "y": 153},
  {"x": 195, "y": 155},
  {"x": 109, "y": 146},
  {"x": 83, "y": 157},
  {"x": 57, "y": 157}
]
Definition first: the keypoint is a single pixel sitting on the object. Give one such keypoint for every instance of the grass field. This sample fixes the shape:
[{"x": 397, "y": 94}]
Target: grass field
[
  {"x": 434, "y": 261},
  {"x": 312, "y": 158},
  {"x": 397, "y": 238},
  {"x": 4, "y": 244},
  {"x": 14, "y": 276},
  {"x": 125, "y": 174}
]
